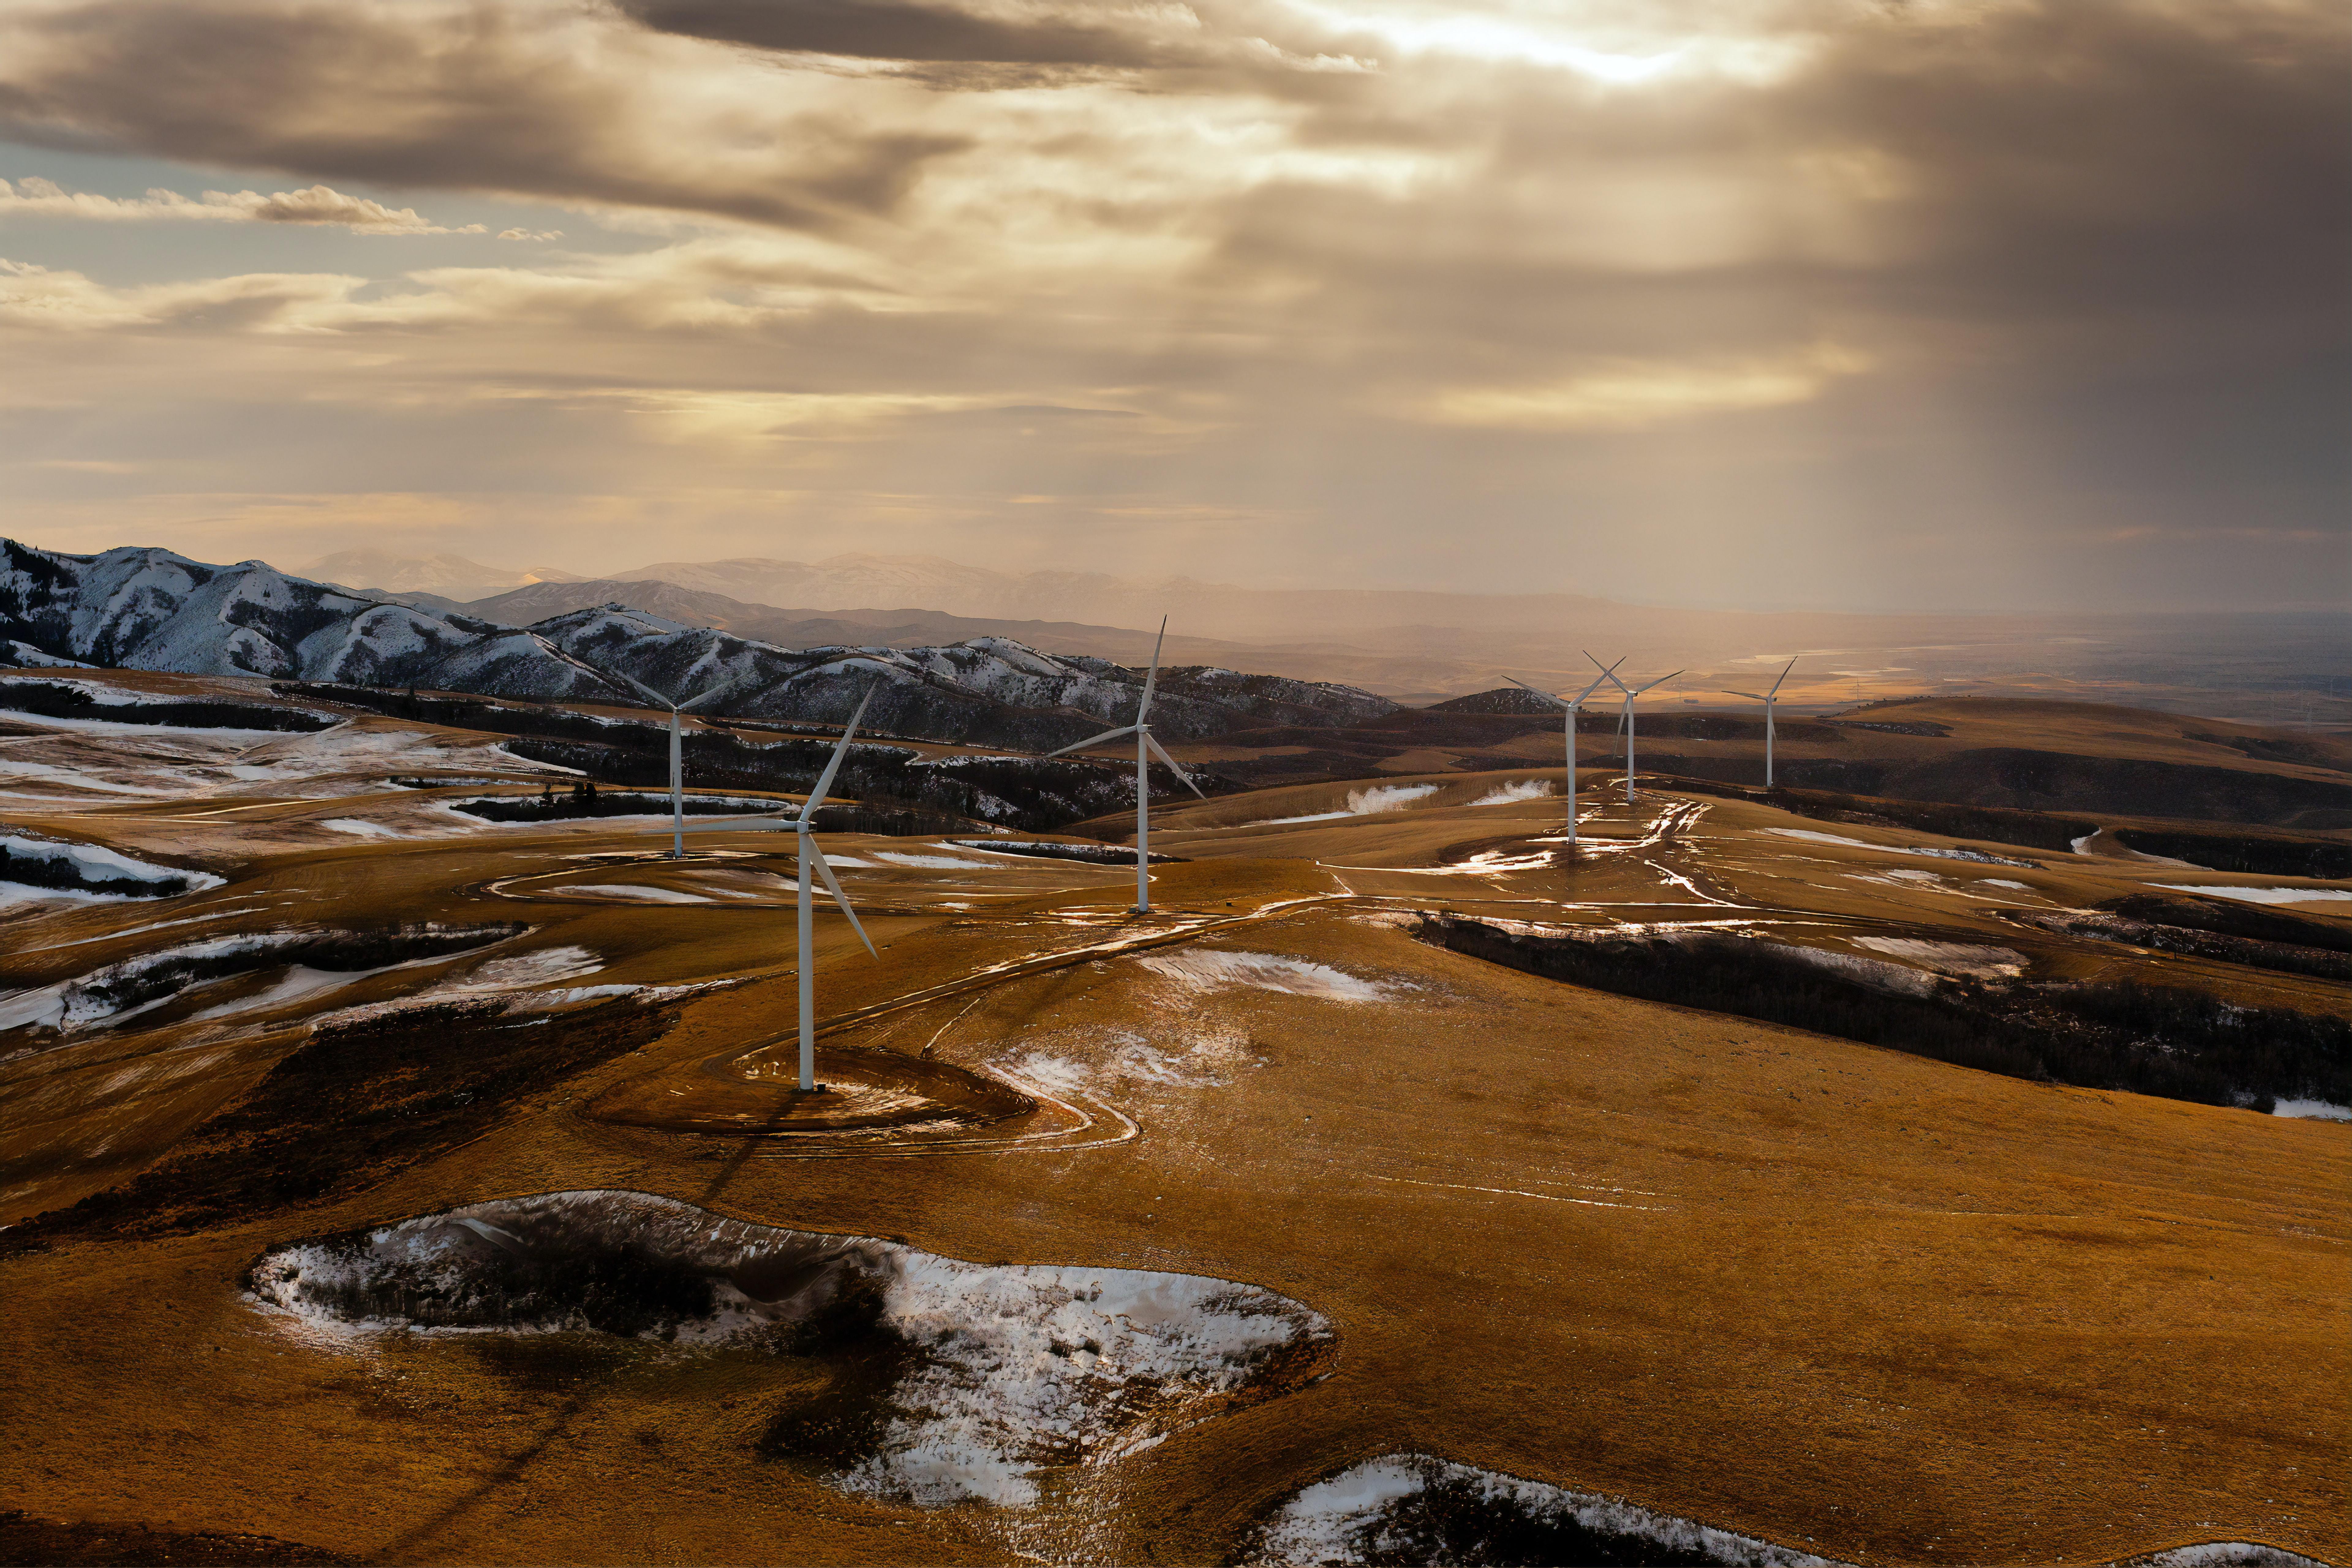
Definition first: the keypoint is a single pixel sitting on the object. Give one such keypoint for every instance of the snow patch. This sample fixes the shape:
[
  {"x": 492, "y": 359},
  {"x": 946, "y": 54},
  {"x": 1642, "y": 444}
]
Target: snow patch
[
  {"x": 1978, "y": 856},
  {"x": 995, "y": 1373},
  {"x": 1509, "y": 794},
  {"x": 362, "y": 826},
  {"x": 2264, "y": 895},
  {"x": 1950, "y": 957},
  {"x": 1360, "y": 803},
  {"x": 640, "y": 891},
  {"x": 1872, "y": 971},
  {"x": 92, "y": 872},
  {"x": 1205, "y": 969},
  {"x": 924, "y": 862},
  {"x": 1366, "y": 1514},
  {"x": 2312, "y": 1110}
]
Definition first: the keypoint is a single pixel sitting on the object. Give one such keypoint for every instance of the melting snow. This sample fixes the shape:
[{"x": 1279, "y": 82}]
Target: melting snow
[
  {"x": 1360, "y": 803},
  {"x": 362, "y": 826},
  {"x": 92, "y": 864},
  {"x": 639, "y": 891},
  {"x": 1356, "y": 1518},
  {"x": 928, "y": 862},
  {"x": 549, "y": 964},
  {"x": 1950, "y": 957},
  {"x": 1212, "y": 970},
  {"x": 1009, "y": 1369},
  {"x": 2264, "y": 895},
  {"x": 1978, "y": 856},
  {"x": 1523, "y": 789},
  {"x": 2314, "y": 1110}
]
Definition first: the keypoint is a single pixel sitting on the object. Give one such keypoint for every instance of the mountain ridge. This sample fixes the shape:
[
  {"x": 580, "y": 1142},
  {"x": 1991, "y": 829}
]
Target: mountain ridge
[{"x": 151, "y": 609}]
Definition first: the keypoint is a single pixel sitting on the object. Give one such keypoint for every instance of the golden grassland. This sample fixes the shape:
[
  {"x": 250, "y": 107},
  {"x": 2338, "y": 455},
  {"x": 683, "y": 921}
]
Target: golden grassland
[{"x": 1845, "y": 1299}]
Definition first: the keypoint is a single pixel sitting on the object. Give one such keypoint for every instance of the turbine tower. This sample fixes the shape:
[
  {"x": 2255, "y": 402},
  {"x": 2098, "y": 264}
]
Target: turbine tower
[
  {"x": 1769, "y": 699},
  {"x": 1146, "y": 748},
  {"x": 677, "y": 740},
  {"x": 1608, "y": 672},
  {"x": 1571, "y": 708}
]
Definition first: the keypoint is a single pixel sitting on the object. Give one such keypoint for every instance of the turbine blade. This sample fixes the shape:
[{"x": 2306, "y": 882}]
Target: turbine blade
[
  {"x": 840, "y": 750},
  {"x": 1152, "y": 680},
  {"x": 1539, "y": 691},
  {"x": 833, "y": 886},
  {"x": 1756, "y": 696},
  {"x": 729, "y": 684},
  {"x": 613, "y": 677},
  {"x": 1099, "y": 740},
  {"x": 1608, "y": 671},
  {"x": 1660, "y": 681},
  {"x": 1173, "y": 765},
  {"x": 1784, "y": 675}
]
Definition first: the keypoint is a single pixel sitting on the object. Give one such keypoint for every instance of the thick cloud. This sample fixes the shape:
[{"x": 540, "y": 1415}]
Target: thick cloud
[{"x": 1965, "y": 299}]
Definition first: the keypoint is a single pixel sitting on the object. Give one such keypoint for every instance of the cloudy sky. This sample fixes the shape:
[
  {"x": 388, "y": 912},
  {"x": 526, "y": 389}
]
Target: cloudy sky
[{"x": 1829, "y": 303}]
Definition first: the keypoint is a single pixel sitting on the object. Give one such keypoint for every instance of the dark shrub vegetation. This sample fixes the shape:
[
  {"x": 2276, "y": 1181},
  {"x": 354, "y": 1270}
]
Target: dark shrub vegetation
[
  {"x": 2260, "y": 854},
  {"x": 2177, "y": 1045},
  {"x": 52, "y": 700}
]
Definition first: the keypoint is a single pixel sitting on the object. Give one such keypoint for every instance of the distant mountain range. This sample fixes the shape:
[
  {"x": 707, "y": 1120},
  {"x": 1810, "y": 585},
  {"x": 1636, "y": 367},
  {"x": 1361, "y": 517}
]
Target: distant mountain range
[
  {"x": 450, "y": 577},
  {"x": 153, "y": 609},
  {"x": 1420, "y": 647}
]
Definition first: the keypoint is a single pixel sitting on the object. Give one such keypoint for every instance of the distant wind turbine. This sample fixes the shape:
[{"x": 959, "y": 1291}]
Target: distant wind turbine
[
  {"x": 1146, "y": 748},
  {"x": 677, "y": 742},
  {"x": 1767, "y": 699},
  {"x": 1570, "y": 725},
  {"x": 1609, "y": 673}
]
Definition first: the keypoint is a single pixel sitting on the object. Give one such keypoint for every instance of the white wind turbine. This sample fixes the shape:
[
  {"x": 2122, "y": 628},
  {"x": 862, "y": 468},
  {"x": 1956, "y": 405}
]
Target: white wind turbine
[
  {"x": 676, "y": 746},
  {"x": 808, "y": 857},
  {"x": 1769, "y": 699},
  {"x": 1571, "y": 708},
  {"x": 1146, "y": 748},
  {"x": 1631, "y": 692}
]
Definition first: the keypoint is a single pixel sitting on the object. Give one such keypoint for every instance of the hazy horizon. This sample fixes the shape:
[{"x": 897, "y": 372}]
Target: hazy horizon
[{"x": 1808, "y": 305}]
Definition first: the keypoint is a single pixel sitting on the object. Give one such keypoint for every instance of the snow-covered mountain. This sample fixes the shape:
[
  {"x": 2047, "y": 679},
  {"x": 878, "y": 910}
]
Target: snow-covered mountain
[{"x": 151, "y": 609}]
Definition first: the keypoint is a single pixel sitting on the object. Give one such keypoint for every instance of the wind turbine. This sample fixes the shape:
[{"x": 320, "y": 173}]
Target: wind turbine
[
  {"x": 1767, "y": 699},
  {"x": 1572, "y": 707},
  {"x": 1146, "y": 748},
  {"x": 677, "y": 740},
  {"x": 808, "y": 857},
  {"x": 1609, "y": 673}
]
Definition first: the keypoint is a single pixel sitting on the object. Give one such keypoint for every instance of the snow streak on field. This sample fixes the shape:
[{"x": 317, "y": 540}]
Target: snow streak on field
[
  {"x": 2264, "y": 895},
  {"x": 1514, "y": 792},
  {"x": 981, "y": 1377},
  {"x": 1950, "y": 957},
  {"x": 1978, "y": 856},
  {"x": 1205, "y": 969},
  {"x": 96, "y": 875},
  {"x": 1360, "y": 803}
]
